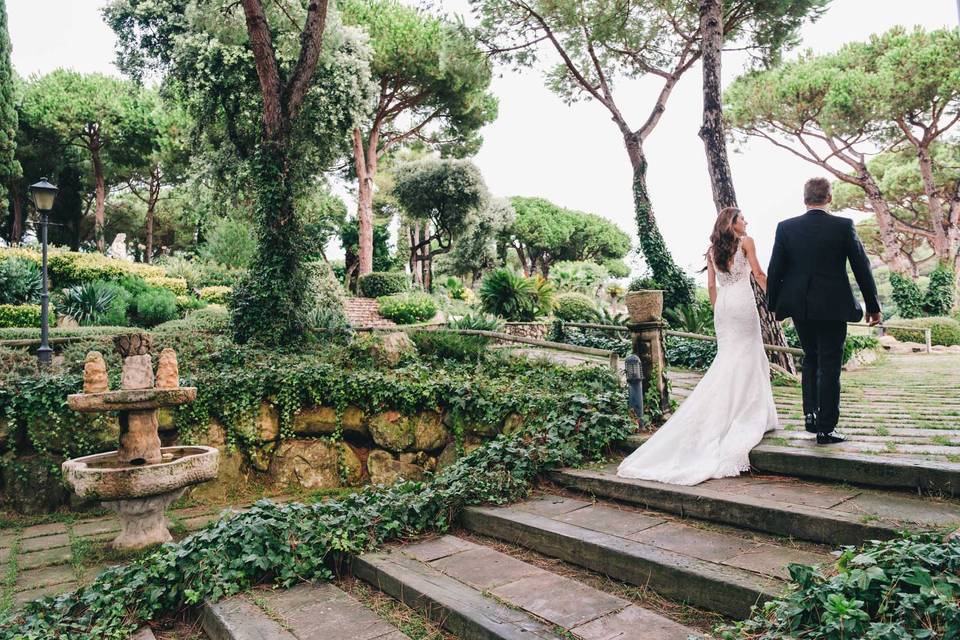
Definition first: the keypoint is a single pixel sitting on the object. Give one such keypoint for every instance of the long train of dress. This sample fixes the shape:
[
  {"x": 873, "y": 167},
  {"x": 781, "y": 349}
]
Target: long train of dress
[{"x": 729, "y": 411}]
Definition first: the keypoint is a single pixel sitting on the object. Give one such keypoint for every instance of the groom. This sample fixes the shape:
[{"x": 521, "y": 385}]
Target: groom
[{"x": 807, "y": 281}]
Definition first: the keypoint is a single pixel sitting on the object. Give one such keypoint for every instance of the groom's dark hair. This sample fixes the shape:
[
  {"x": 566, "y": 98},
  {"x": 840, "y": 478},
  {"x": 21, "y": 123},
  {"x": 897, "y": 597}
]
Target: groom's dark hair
[{"x": 817, "y": 191}]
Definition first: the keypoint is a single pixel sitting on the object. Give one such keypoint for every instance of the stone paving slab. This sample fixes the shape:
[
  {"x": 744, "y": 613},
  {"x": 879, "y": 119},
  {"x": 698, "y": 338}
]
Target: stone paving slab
[
  {"x": 711, "y": 546},
  {"x": 44, "y": 557},
  {"x": 564, "y": 602},
  {"x": 610, "y": 520},
  {"x": 675, "y": 575},
  {"x": 22, "y": 597},
  {"x": 772, "y": 560},
  {"x": 632, "y": 623},
  {"x": 45, "y": 577},
  {"x": 44, "y": 542},
  {"x": 551, "y": 505},
  {"x": 810, "y": 510}
]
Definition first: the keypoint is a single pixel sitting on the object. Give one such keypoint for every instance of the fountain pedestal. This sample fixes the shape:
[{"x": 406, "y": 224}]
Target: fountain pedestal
[{"x": 140, "y": 479}]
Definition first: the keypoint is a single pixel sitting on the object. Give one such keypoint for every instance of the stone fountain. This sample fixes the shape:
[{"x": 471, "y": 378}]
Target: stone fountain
[{"x": 141, "y": 479}]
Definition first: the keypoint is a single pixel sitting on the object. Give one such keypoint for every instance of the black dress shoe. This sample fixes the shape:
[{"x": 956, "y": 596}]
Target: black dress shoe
[
  {"x": 830, "y": 438},
  {"x": 810, "y": 422}
]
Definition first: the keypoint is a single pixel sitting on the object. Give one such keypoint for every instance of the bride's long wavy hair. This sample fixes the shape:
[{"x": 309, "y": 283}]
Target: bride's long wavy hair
[{"x": 723, "y": 239}]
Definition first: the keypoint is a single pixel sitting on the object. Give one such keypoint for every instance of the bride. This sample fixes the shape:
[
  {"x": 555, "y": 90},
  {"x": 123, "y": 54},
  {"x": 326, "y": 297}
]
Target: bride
[{"x": 726, "y": 415}]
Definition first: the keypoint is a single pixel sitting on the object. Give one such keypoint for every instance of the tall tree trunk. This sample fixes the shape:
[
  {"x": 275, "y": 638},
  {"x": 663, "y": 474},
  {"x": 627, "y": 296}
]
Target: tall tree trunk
[
  {"x": 365, "y": 166},
  {"x": 152, "y": 198},
  {"x": 718, "y": 163},
  {"x": 16, "y": 232},
  {"x": 891, "y": 252},
  {"x": 101, "y": 196},
  {"x": 678, "y": 285},
  {"x": 711, "y": 130},
  {"x": 941, "y": 233}
]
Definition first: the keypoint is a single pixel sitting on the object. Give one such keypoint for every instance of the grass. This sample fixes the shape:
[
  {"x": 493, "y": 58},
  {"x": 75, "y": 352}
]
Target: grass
[
  {"x": 10, "y": 576},
  {"x": 412, "y": 623}
]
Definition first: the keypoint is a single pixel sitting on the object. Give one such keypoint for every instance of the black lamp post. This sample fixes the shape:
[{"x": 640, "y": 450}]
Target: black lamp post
[{"x": 43, "y": 194}]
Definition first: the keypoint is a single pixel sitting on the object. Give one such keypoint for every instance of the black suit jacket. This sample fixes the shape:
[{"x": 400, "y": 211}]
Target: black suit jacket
[{"x": 807, "y": 278}]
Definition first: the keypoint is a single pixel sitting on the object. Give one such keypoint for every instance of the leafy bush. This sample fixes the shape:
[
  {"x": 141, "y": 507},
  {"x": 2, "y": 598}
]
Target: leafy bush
[
  {"x": 65, "y": 332},
  {"x": 455, "y": 289},
  {"x": 477, "y": 322},
  {"x": 907, "y": 296},
  {"x": 21, "y": 281},
  {"x": 855, "y": 344},
  {"x": 903, "y": 588},
  {"x": 231, "y": 243},
  {"x": 689, "y": 353},
  {"x": 86, "y": 302},
  {"x": 186, "y": 304},
  {"x": 616, "y": 267},
  {"x": 200, "y": 273},
  {"x": 324, "y": 297},
  {"x": 447, "y": 345},
  {"x": 408, "y": 308},
  {"x": 578, "y": 276},
  {"x": 695, "y": 317},
  {"x": 215, "y": 294},
  {"x": 596, "y": 338},
  {"x": 155, "y": 306},
  {"x": 938, "y": 300},
  {"x": 69, "y": 268},
  {"x": 944, "y": 331},
  {"x": 643, "y": 283},
  {"x": 177, "y": 286},
  {"x": 510, "y": 295},
  {"x": 575, "y": 307},
  {"x": 213, "y": 318},
  {"x": 19, "y": 315},
  {"x": 383, "y": 283}
]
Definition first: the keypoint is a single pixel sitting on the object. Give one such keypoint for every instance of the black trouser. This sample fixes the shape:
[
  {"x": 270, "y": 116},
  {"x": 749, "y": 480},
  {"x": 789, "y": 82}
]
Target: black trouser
[{"x": 822, "y": 342}]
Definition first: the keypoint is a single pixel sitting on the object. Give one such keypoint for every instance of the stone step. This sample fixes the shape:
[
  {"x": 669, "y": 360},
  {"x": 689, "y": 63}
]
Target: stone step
[
  {"x": 707, "y": 569},
  {"x": 846, "y": 463},
  {"x": 819, "y": 512},
  {"x": 304, "y": 612},
  {"x": 478, "y": 593}
]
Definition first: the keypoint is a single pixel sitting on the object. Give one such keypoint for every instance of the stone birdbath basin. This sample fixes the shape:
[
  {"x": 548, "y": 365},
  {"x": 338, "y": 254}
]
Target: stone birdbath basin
[{"x": 140, "y": 479}]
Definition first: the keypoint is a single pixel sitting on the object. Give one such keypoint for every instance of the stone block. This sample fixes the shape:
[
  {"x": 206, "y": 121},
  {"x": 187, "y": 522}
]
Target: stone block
[
  {"x": 268, "y": 423},
  {"x": 231, "y": 477},
  {"x": 429, "y": 433},
  {"x": 448, "y": 456},
  {"x": 312, "y": 464},
  {"x": 392, "y": 430},
  {"x": 392, "y": 348},
  {"x": 512, "y": 423},
  {"x": 323, "y": 421},
  {"x": 384, "y": 469}
]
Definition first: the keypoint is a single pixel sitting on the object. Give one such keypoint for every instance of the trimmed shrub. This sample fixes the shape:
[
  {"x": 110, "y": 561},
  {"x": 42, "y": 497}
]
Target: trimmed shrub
[
  {"x": 408, "y": 308},
  {"x": 155, "y": 306},
  {"x": 446, "y": 345},
  {"x": 215, "y": 294},
  {"x": 186, "y": 304},
  {"x": 200, "y": 273},
  {"x": 510, "y": 295},
  {"x": 575, "y": 307},
  {"x": 21, "y": 281},
  {"x": 25, "y": 333},
  {"x": 855, "y": 344},
  {"x": 176, "y": 286},
  {"x": 938, "y": 300},
  {"x": 907, "y": 296},
  {"x": 944, "y": 331},
  {"x": 383, "y": 283},
  {"x": 214, "y": 318},
  {"x": 19, "y": 315},
  {"x": 68, "y": 268}
]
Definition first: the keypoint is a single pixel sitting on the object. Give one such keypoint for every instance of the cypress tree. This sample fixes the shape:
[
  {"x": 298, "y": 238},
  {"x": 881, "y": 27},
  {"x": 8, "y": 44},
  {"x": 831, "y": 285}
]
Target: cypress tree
[{"x": 9, "y": 167}]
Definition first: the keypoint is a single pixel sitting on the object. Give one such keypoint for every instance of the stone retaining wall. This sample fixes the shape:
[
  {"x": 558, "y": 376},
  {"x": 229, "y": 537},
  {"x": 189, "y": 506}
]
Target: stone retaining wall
[{"x": 537, "y": 330}]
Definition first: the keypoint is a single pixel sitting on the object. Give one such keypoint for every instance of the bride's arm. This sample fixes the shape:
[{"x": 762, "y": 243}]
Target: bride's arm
[
  {"x": 711, "y": 282},
  {"x": 750, "y": 248}
]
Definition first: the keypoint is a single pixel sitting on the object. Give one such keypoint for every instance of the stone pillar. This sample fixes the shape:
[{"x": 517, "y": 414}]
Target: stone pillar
[{"x": 649, "y": 346}]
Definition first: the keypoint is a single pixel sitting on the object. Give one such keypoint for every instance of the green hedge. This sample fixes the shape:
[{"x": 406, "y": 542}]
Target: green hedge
[
  {"x": 944, "y": 331},
  {"x": 68, "y": 268},
  {"x": 575, "y": 307},
  {"x": 408, "y": 308},
  {"x": 65, "y": 332},
  {"x": 383, "y": 283},
  {"x": 19, "y": 315}
]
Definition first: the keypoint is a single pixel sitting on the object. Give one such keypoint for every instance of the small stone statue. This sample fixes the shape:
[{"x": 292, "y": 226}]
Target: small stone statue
[
  {"x": 137, "y": 372},
  {"x": 95, "y": 373},
  {"x": 168, "y": 373}
]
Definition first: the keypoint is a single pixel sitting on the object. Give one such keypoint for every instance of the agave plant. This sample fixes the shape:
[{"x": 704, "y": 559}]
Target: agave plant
[
  {"x": 478, "y": 322},
  {"x": 20, "y": 281},
  {"x": 696, "y": 317},
  {"x": 85, "y": 302},
  {"x": 510, "y": 295}
]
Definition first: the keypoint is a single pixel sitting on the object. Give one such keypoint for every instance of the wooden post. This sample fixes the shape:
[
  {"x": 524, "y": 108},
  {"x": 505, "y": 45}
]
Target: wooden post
[
  {"x": 928, "y": 339},
  {"x": 649, "y": 346},
  {"x": 614, "y": 363}
]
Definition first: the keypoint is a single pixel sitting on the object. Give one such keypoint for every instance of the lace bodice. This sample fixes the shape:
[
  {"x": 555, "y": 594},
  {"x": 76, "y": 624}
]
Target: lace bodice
[{"x": 739, "y": 269}]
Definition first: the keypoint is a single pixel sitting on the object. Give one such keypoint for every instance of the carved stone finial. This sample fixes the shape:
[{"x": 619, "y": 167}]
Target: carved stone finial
[
  {"x": 168, "y": 372},
  {"x": 133, "y": 344},
  {"x": 95, "y": 373}
]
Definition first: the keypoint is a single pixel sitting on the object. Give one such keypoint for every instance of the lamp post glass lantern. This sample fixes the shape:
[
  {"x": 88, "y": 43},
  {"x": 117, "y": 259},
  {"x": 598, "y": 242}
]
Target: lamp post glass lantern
[{"x": 43, "y": 194}]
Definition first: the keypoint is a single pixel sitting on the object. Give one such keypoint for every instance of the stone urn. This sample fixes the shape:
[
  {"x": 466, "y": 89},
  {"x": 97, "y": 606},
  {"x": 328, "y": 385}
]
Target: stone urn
[
  {"x": 140, "y": 479},
  {"x": 645, "y": 305}
]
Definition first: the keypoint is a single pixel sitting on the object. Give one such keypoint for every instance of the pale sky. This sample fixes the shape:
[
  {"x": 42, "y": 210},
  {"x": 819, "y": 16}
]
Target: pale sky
[{"x": 571, "y": 155}]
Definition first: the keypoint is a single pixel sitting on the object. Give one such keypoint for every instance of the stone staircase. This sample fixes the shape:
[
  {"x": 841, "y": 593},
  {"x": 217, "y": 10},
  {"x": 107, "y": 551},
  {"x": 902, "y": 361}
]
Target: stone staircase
[{"x": 718, "y": 548}]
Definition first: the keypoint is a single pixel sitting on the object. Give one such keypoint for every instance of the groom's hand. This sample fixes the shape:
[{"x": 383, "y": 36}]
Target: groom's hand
[{"x": 873, "y": 319}]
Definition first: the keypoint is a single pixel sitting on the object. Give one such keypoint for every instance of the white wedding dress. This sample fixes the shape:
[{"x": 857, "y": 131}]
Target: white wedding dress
[{"x": 726, "y": 415}]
